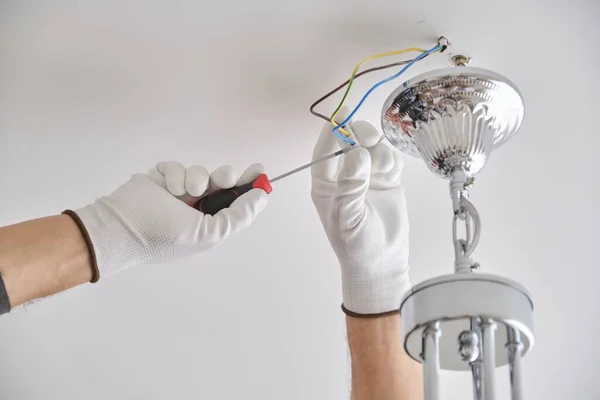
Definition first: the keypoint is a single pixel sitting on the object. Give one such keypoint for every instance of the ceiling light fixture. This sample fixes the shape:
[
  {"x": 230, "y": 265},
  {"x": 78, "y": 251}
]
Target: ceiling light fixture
[{"x": 454, "y": 119}]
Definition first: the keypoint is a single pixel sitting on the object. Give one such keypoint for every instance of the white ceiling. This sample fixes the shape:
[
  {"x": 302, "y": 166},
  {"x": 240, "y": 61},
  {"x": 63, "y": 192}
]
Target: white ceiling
[{"x": 91, "y": 92}]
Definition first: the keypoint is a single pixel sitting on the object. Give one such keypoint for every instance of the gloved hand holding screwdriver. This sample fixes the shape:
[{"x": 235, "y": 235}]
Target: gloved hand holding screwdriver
[{"x": 358, "y": 197}]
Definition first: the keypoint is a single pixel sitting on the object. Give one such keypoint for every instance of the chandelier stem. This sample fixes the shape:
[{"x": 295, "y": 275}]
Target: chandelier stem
[
  {"x": 488, "y": 330},
  {"x": 431, "y": 360},
  {"x": 515, "y": 348}
]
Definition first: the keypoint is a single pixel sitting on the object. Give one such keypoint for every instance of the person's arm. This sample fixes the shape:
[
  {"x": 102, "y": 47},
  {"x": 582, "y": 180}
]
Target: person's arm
[
  {"x": 380, "y": 367},
  {"x": 42, "y": 257},
  {"x": 144, "y": 221},
  {"x": 361, "y": 203}
]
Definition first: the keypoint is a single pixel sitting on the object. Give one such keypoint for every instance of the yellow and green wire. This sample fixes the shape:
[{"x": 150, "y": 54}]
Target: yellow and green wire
[{"x": 338, "y": 129}]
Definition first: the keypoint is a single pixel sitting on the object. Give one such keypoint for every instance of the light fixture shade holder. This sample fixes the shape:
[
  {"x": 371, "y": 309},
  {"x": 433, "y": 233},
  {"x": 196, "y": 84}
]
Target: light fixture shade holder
[{"x": 453, "y": 118}]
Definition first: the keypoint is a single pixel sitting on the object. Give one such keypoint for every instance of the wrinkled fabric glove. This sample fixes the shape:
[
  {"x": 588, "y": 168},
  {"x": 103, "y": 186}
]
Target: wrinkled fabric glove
[
  {"x": 361, "y": 204},
  {"x": 148, "y": 220}
]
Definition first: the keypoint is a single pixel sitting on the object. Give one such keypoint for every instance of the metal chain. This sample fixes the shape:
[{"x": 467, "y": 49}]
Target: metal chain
[
  {"x": 464, "y": 247},
  {"x": 466, "y": 212}
]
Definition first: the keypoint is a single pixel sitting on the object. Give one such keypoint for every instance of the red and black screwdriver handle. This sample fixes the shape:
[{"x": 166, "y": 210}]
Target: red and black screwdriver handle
[{"x": 216, "y": 201}]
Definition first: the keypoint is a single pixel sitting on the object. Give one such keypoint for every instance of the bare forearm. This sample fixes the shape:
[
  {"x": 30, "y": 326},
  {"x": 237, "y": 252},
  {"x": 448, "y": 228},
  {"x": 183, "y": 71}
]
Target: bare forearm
[
  {"x": 42, "y": 257},
  {"x": 380, "y": 367}
]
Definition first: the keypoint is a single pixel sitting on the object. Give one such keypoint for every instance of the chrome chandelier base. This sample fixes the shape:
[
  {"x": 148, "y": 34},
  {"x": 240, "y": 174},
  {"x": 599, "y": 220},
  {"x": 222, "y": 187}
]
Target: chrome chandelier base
[
  {"x": 457, "y": 303},
  {"x": 453, "y": 118}
]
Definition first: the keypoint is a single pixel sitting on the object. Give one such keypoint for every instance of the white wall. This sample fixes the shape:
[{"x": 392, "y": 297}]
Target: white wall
[{"x": 91, "y": 92}]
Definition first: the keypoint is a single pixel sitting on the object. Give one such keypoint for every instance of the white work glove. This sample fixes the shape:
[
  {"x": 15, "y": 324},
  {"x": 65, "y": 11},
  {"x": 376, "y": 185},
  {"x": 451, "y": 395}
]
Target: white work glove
[
  {"x": 362, "y": 207},
  {"x": 149, "y": 220}
]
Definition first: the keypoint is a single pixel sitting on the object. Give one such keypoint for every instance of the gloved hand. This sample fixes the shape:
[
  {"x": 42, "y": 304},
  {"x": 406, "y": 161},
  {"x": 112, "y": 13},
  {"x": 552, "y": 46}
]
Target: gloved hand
[
  {"x": 148, "y": 220},
  {"x": 362, "y": 207}
]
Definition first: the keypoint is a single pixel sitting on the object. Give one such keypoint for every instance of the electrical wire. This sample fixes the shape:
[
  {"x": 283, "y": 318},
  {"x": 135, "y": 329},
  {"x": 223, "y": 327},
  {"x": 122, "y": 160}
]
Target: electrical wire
[
  {"x": 353, "y": 75},
  {"x": 336, "y": 128},
  {"x": 374, "y": 69},
  {"x": 337, "y": 89},
  {"x": 325, "y": 97}
]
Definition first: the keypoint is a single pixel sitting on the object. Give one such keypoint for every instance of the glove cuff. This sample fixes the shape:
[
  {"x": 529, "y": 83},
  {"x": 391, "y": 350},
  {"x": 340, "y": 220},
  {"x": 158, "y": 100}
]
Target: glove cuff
[
  {"x": 373, "y": 299},
  {"x": 356, "y": 315},
  {"x": 88, "y": 242},
  {"x": 111, "y": 242}
]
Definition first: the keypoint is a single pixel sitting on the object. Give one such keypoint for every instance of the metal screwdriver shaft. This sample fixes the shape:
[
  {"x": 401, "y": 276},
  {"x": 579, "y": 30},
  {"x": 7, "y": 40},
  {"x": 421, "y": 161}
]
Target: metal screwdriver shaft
[
  {"x": 310, "y": 164},
  {"x": 214, "y": 202}
]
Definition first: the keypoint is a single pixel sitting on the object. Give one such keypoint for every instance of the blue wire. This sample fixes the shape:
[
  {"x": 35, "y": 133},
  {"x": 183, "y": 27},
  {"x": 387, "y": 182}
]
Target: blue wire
[
  {"x": 386, "y": 80},
  {"x": 337, "y": 133}
]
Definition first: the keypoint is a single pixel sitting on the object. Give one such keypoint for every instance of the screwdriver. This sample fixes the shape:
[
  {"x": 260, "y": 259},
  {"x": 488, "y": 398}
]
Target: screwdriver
[{"x": 216, "y": 201}]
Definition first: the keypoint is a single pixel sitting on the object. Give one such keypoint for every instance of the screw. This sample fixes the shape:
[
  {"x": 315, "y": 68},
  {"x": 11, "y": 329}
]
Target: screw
[{"x": 461, "y": 60}]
